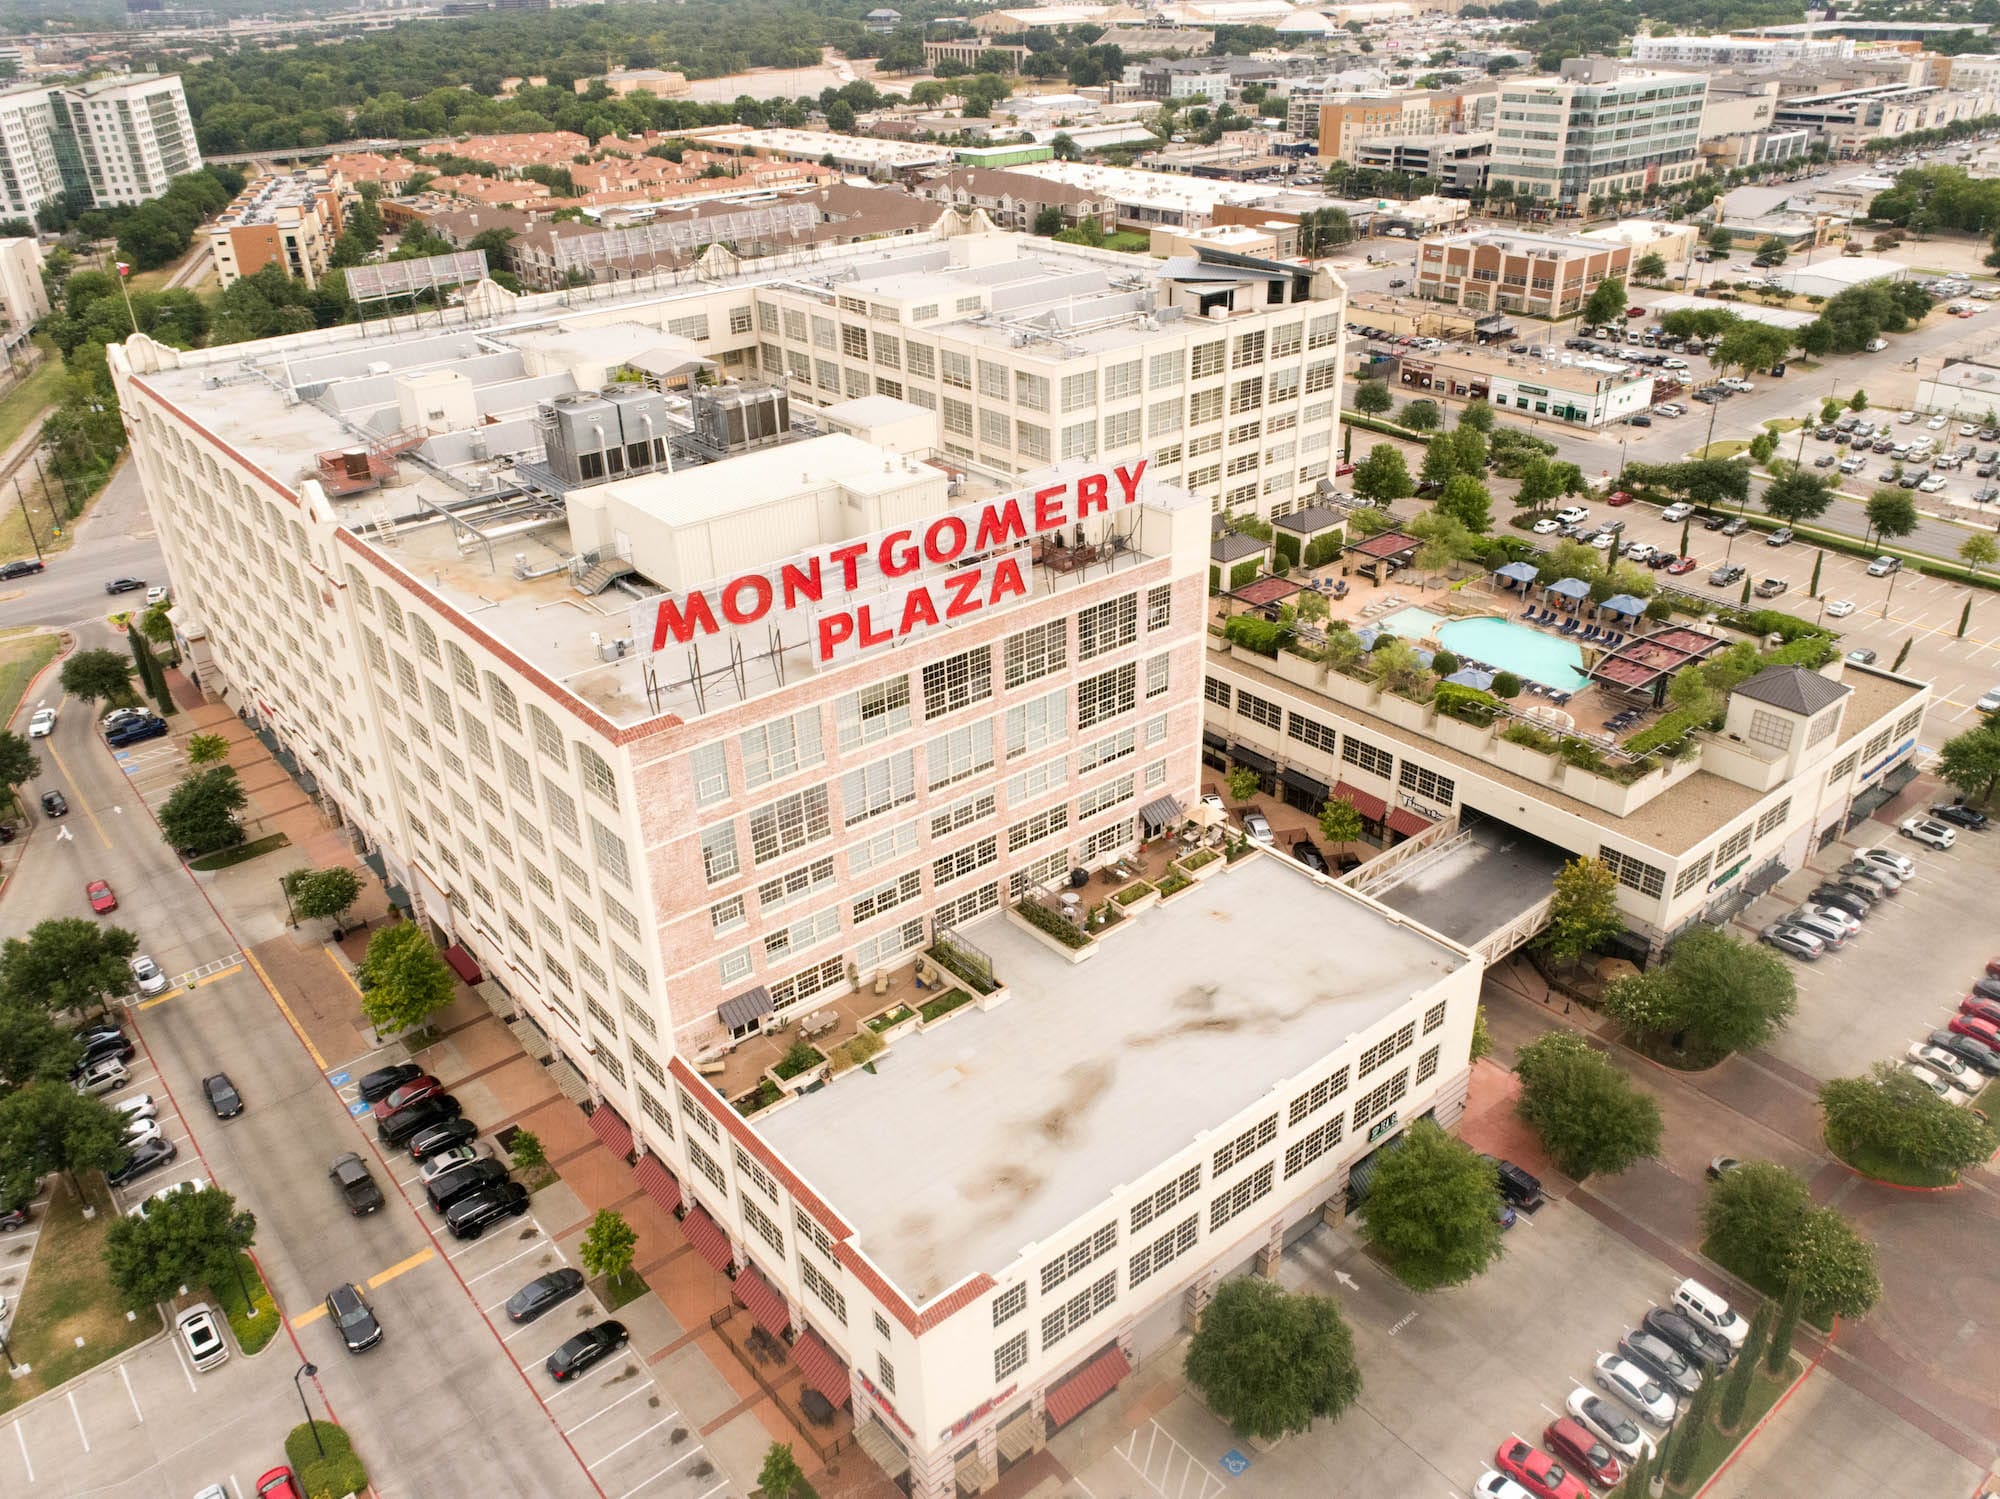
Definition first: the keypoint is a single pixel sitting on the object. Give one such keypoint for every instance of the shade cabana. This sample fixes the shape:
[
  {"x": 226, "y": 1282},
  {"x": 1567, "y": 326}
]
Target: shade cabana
[
  {"x": 1568, "y": 592},
  {"x": 1517, "y": 574},
  {"x": 1627, "y": 605},
  {"x": 1472, "y": 676}
]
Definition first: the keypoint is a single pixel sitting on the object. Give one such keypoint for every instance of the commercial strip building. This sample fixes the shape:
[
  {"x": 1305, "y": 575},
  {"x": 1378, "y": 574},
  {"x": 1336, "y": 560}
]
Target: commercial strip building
[
  {"x": 1503, "y": 270},
  {"x": 867, "y": 155},
  {"x": 1965, "y": 389},
  {"x": 684, "y": 746},
  {"x": 1596, "y": 131},
  {"x": 109, "y": 141},
  {"x": 1577, "y": 392},
  {"x": 289, "y": 220},
  {"x": 1801, "y": 757},
  {"x": 1847, "y": 120}
]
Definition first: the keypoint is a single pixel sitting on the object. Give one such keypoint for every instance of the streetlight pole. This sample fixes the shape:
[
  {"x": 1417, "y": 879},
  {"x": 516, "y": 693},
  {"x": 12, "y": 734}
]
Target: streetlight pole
[
  {"x": 23, "y": 499},
  {"x": 308, "y": 1371}
]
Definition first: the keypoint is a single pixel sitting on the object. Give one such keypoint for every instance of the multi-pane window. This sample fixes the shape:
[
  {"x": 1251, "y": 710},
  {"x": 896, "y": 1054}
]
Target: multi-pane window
[
  {"x": 1428, "y": 784},
  {"x": 876, "y": 712},
  {"x": 1079, "y": 1309},
  {"x": 1207, "y": 360},
  {"x": 718, "y": 853},
  {"x": 1310, "y": 731},
  {"x": 789, "y": 824},
  {"x": 1101, "y": 798},
  {"x": 1434, "y": 1017},
  {"x": 1009, "y": 1304},
  {"x": 1393, "y": 1044},
  {"x": 825, "y": 1290},
  {"x": 1693, "y": 875},
  {"x": 796, "y": 884},
  {"x": 871, "y": 790},
  {"x": 1638, "y": 875},
  {"x": 1084, "y": 1252},
  {"x": 1031, "y": 392},
  {"x": 1734, "y": 847},
  {"x": 1368, "y": 757},
  {"x": 1036, "y": 779},
  {"x": 1079, "y": 390},
  {"x": 1427, "y": 1065},
  {"x": 1107, "y": 627},
  {"x": 1079, "y": 439},
  {"x": 707, "y": 1165},
  {"x": 547, "y": 738},
  {"x": 1010, "y": 1356},
  {"x": 761, "y": 1224},
  {"x": 1773, "y": 729},
  {"x": 1042, "y": 825},
  {"x": 960, "y": 753},
  {"x": 875, "y": 851},
  {"x": 885, "y": 898},
  {"x": 1216, "y": 691},
  {"x": 1037, "y": 723},
  {"x": 1034, "y": 653},
  {"x": 1163, "y": 417},
  {"x": 706, "y": 768},
  {"x": 1303, "y": 1152},
  {"x": 772, "y": 751},
  {"x": 1774, "y": 818},
  {"x": 1245, "y": 1145},
  {"x": 1164, "y": 1250},
  {"x": 562, "y": 810},
  {"x": 956, "y": 369},
  {"x": 1259, "y": 710},
  {"x": 957, "y": 682},
  {"x": 1159, "y": 606},
  {"x": 962, "y": 862},
  {"x": 1108, "y": 749},
  {"x": 961, "y": 814},
  {"x": 807, "y": 931},
  {"x": 811, "y": 1232},
  {"x": 1106, "y": 695},
  {"x": 1165, "y": 369},
  {"x": 1371, "y": 1105},
  {"x": 1228, "y": 1204},
  {"x": 1121, "y": 428}
]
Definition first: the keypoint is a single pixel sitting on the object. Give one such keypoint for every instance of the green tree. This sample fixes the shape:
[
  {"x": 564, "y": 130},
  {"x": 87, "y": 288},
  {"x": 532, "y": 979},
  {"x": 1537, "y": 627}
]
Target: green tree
[
  {"x": 1243, "y": 783},
  {"x": 1761, "y": 1223},
  {"x": 1271, "y": 1361},
  {"x": 1970, "y": 761},
  {"x": 1583, "y": 911},
  {"x": 1687, "y": 1434},
  {"x": 1762, "y": 447},
  {"x": 1784, "y": 1328},
  {"x": 1440, "y": 460},
  {"x": 1858, "y": 401},
  {"x": 1482, "y": 1038},
  {"x": 1606, "y": 302},
  {"x": 1798, "y": 496},
  {"x": 1750, "y": 345},
  {"x": 49, "y": 1126},
  {"x": 207, "y": 749},
  {"x": 184, "y": 1240},
  {"x": 1774, "y": 249},
  {"x": 1049, "y": 222},
  {"x": 1713, "y": 995},
  {"x": 607, "y": 1246},
  {"x": 1903, "y": 655},
  {"x": 1468, "y": 502},
  {"x": 1382, "y": 476},
  {"x": 1432, "y": 1209},
  {"x": 66, "y": 964},
  {"x": 1541, "y": 482},
  {"x": 1720, "y": 240},
  {"x": 781, "y": 1477},
  {"x": 525, "y": 1148},
  {"x": 1829, "y": 410},
  {"x": 1339, "y": 821},
  {"x": 1893, "y": 1113},
  {"x": 1742, "y": 1373},
  {"x": 1421, "y": 416},
  {"x": 1893, "y": 512},
  {"x": 403, "y": 980},
  {"x": 99, "y": 676},
  {"x": 1652, "y": 266},
  {"x": 1477, "y": 415},
  {"x": 1372, "y": 398},
  {"x": 157, "y": 625},
  {"x": 19, "y": 764},
  {"x": 323, "y": 894},
  {"x": 1586, "y": 1112},
  {"x": 199, "y": 814},
  {"x": 33, "y": 1048},
  {"x": 1978, "y": 550}
]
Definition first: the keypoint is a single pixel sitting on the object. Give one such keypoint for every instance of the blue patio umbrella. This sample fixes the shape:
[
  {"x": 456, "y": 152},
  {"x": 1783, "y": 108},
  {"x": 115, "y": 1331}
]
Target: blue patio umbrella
[
  {"x": 1523, "y": 573},
  {"x": 1569, "y": 588},
  {"x": 1624, "y": 603}
]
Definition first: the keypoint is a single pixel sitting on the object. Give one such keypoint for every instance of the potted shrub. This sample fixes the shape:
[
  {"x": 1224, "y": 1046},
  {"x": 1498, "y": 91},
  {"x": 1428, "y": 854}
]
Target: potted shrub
[{"x": 802, "y": 1066}]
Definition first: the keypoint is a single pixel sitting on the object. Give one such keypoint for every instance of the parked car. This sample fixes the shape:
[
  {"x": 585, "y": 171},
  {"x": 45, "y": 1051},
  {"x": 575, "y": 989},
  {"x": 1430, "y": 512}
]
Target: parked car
[
  {"x": 1964, "y": 817},
  {"x": 402, "y": 1126},
  {"x": 280, "y": 1483},
  {"x": 1831, "y": 933},
  {"x": 1881, "y": 567},
  {"x": 462, "y": 1182},
  {"x": 149, "y": 1155},
  {"x": 146, "y": 976},
  {"x": 444, "y": 1135},
  {"x": 1985, "y": 1032},
  {"x": 135, "y": 730},
  {"x": 1727, "y": 573},
  {"x": 543, "y": 1293},
  {"x": 1307, "y": 853},
  {"x": 1256, "y": 828},
  {"x": 348, "y": 1310},
  {"x": 1779, "y": 538},
  {"x": 140, "y": 1107},
  {"x": 1611, "y": 1423},
  {"x": 450, "y": 1160},
  {"x": 1770, "y": 588},
  {"x": 1953, "y": 1069},
  {"x": 1626, "y": 1381},
  {"x": 1695, "y": 1342},
  {"x": 1957, "y": 1097},
  {"x": 1790, "y": 939},
  {"x": 357, "y": 1184},
  {"x": 1853, "y": 902},
  {"x": 222, "y": 1095},
  {"x": 470, "y": 1217},
  {"x": 201, "y": 1335},
  {"x": 1862, "y": 657},
  {"x": 1736, "y": 525},
  {"x": 1537, "y": 1472},
  {"x": 1931, "y": 834},
  {"x": 1582, "y": 1451},
  {"x": 1521, "y": 1188},
  {"x": 1839, "y": 608},
  {"x": 420, "y": 1087},
  {"x": 587, "y": 1348},
  {"x": 1973, "y": 1052},
  {"x": 107, "y": 1075},
  {"x": 1659, "y": 1358},
  {"x": 384, "y": 1081}
]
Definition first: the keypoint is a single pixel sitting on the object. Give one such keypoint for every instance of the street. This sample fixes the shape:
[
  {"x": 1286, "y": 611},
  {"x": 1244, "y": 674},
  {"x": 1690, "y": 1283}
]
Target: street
[{"x": 115, "y": 539}]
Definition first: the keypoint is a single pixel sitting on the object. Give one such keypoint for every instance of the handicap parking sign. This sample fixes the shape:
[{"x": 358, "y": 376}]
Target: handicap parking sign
[
  {"x": 1234, "y": 1463},
  {"x": 356, "y": 1109},
  {"x": 339, "y": 1078}
]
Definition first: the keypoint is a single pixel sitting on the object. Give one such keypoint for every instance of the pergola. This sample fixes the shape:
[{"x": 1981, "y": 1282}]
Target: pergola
[{"x": 1643, "y": 666}]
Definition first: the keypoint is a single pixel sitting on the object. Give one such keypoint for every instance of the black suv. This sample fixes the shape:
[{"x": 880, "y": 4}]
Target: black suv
[
  {"x": 348, "y": 1310},
  {"x": 1517, "y": 1186},
  {"x": 462, "y": 1182},
  {"x": 586, "y": 1348},
  {"x": 402, "y": 1125},
  {"x": 384, "y": 1081},
  {"x": 426, "y": 1143},
  {"x": 1965, "y": 817},
  {"x": 1308, "y": 854},
  {"x": 133, "y": 730},
  {"x": 470, "y": 1217},
  {"x": 350, "y": 1173},
  {"x": 148, "y": 1155},
  {"x": 54, "y": 804}
]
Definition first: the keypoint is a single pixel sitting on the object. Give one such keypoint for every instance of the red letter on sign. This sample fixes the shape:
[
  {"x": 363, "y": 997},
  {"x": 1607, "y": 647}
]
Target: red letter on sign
[
  {"x": 962, "y": 587},
  {"x": 1007, "y": 581},
  {"x": 945, "y": 540},
  {"x": 1049, "y": 515},
  {"x": 870, "y": 636},
  {"x": 894, "y": 563},
  {"x": 835, "y": 630},
  {"x": 1129, "y": 480},
  {"x": 801, "y": 585},
  {"x": 999, "y": 524},
  {"x": 917, "y": 610},
  {"x": 1090, "y": 495},
  {"x": 670, "y": 622},
  {"x": 759, "y": 589},
  {"x": 846, "y": 556}
]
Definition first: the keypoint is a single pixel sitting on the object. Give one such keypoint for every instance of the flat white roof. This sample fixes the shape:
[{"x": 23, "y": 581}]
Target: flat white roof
[
  {"x": 993, "y": 1134},
  {"x": 815, "y": 144},
  {"x": 1848, "y": 270},
  {"x": 1776, "y": 317}
]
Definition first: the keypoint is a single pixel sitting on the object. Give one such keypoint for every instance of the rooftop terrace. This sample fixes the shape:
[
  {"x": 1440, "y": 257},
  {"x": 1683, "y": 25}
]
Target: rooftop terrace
[{"x": 977, "y": 1141}]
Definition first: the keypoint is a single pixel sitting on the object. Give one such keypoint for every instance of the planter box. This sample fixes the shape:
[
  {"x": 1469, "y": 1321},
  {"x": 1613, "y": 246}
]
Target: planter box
[
  {"x": 1145, "y": 901},
  {"x": 1204, "y": 871},
  {"x": 1178, "y": 891},
  {"x": 969, "y": 1007},
  {"x": 810, "y": 1078},
  {"x": 993, "y": 1001},
  {"x": 1067, "y": 954},
  {"x": 902, "y": 1027}
]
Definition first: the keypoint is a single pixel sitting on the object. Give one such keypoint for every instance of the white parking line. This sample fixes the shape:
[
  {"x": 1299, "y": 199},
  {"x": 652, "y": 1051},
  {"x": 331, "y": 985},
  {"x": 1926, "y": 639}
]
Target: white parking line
[
  {"x": 654, "y": 1427},
  {"x": 643, "y": 1389},
  {"x": 81, "y": 1435},
  {"x": 186, "y": 1372},
  {"x": 21, "y": 1437},
  {"x": 663, "y": 1473},
  {"x": 565, "y": 1388},
  {"x": 531, "y": 1249},
  {"x": 131, "y": 1394}
]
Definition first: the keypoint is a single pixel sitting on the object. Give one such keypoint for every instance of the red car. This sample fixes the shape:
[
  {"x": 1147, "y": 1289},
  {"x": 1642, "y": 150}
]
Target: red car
[
  {"x": 1993, "y": 968},
  {"x": 408, "y": 1094},
  {"x": 1537, "y": 1472},
  {"x": 280, "y": 1483},
  {"x": 98, "y": 893},
  {"x": 1571, "y": 1441},
  {"x": 1983, "y": 1031},
  {"x": 1982, "y": 1009},
  {"x": 1682, "y": 565},
  {"x": 1618, "y": 497}
]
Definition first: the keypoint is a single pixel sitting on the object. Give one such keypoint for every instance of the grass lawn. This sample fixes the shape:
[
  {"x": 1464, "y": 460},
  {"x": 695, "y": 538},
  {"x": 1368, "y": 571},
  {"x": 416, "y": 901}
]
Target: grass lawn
[
  {"x": 255, "y": 1323},
  {"x": 1888, "y": 1167},
  {"x": 25, "y": 401},
  {"x": 1783, "y": 424},
  {"x": 617, "y": 1290},
  {"x": 1988, "y": 1100},
  {"x": 22, "y": 654},
  {"x": 1726, "y": 447},
  {"x": 239, "y": 854},
  {"x": 68, "y": 1296},
  {"x": 1716, "y": 1446}
]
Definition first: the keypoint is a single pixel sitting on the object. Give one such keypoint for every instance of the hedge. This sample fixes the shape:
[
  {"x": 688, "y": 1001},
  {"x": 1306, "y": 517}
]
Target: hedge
[
  {"x": 1386, "y": 428},
  {"x": 1325, "y": 548},
  {"x": 1244, "y": 573},
  {"x": 1287, "y": 546}
]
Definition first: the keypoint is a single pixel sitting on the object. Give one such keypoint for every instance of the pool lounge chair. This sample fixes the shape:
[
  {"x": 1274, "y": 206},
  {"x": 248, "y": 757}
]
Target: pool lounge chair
[
  {"x": 1559, "y": 698},
  {"x": 1569, "y": 627}
]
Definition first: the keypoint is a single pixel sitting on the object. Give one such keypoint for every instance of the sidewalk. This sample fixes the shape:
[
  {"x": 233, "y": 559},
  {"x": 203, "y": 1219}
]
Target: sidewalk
[{"x": 743, "y": 1395}]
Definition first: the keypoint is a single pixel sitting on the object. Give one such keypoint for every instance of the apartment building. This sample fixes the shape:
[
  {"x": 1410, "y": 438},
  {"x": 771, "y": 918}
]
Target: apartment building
[
  {"x": 1739, "y": 51},
  {"x": 289, "y": 220},
  {"x": 1458, "y": 161},
  {"x": 1347, "y": 120},
  {"x": 24, "y": 299},
  {"x": 1596, "y": 131},
  {"x": 683, "y": 727},
  {"x": 132, "y": 135},
  {"x": 1014, "y": 200},
  {"x": 1973, "y": 74},
  {"x": 1504, "y": 270},
  {"x": 1848, "y": 120}
]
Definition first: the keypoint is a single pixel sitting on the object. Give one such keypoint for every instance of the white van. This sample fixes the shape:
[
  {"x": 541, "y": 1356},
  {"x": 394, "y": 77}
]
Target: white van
[{"x": 1710, "y": 1312}]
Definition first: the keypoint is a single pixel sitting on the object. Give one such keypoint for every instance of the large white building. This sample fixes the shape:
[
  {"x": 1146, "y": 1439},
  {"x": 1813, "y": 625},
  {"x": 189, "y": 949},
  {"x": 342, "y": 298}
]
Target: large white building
[
  {"x": 1598, "y": 130},
  {"x": 1739, "y": 51},
  {"x": 684, "y": 725},
  {"x": 113, "y": 140}
]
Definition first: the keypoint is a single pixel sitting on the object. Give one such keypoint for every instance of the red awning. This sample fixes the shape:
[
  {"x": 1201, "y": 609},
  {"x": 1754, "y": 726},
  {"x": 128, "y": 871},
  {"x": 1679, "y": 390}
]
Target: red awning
[
  {"x": 658, "y": 1183},
  {"x": 613, "y": 1131},
  {"x": 709, "y": 1241},
  {"x": 822, "y": 1370},
  {"x": 463, "y": 964},
  {"x": 1408, "y": 823},
  {"x": 1087, "y": 1386},
  {"x": 1370, "y": 807},
  {"x": 765, "y": 1304}
]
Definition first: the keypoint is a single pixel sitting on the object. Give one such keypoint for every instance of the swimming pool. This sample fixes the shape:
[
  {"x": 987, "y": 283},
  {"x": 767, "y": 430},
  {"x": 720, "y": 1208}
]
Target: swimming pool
[
  {"x": 1411, "y": 623},
  {"x": 1529, "y": 654}
]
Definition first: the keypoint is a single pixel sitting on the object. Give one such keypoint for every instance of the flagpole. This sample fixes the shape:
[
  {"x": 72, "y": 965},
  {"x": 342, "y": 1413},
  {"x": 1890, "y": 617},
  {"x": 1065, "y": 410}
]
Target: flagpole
[{"x": 125, "y": 270}]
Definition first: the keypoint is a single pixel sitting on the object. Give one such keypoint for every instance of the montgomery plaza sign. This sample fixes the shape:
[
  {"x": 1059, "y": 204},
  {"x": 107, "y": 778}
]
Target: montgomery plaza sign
[{"x": 875, "y": 590}]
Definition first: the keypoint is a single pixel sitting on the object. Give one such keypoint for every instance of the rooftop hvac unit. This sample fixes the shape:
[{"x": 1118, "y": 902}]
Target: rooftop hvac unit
[
  {"x": 642, "y": 425},
  {"x": 581, "y": 435},
  {"x": 738, "y": 418}
]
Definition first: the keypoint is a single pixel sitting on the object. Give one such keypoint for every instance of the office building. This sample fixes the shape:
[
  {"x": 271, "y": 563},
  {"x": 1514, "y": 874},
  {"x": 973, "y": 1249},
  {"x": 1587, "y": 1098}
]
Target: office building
[
  {"x": 1555, "y": 387},
  {"x": 683, "y": 727},
  {"x": 1596, "y": 131},
  {"x": 1506, "y": 270},
  {"x": 290, "y": 220},
  {"x": 110, "y": 141},
  {"x": 1458, "y": 161}
]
